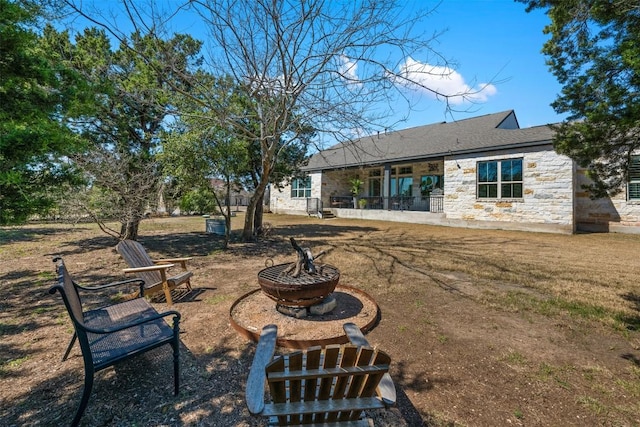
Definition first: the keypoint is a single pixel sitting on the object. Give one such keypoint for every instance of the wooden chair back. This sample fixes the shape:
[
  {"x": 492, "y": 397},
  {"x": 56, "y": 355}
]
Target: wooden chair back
[
  {"x": 155, "y": 273},
  {"x": 135, "y": 255},
  {"x": 325, "y": 385}
]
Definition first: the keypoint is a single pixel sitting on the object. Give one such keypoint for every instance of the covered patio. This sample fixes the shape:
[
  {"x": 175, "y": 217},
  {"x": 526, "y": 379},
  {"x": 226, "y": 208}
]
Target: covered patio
[{"x": 417, "y": 186}]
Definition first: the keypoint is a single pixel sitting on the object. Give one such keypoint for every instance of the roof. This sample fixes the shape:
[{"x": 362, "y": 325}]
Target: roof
[{"x": 477, "y": 134}]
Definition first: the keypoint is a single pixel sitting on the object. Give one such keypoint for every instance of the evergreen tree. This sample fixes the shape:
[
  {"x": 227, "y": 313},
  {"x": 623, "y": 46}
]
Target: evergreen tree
[
  {"x": 34, "y": 93},
  {"x": 132, "y": 92},
  {"x": 594, "y": 52}
]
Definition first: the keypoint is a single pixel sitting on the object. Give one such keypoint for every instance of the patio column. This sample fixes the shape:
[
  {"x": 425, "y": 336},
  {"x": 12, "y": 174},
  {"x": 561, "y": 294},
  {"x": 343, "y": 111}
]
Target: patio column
[{"x": 386, "y": 186}]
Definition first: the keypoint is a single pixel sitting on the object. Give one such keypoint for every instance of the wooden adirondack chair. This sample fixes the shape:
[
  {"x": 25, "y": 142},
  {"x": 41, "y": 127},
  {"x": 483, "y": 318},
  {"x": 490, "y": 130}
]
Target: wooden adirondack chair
[
  {"x": 154, "y": 272},
  {"x": 323, "y": 386}
]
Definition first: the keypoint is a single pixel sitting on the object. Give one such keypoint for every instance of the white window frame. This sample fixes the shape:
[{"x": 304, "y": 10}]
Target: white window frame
[
  {"x": 499, "y": 181},
  {"x": 301, "y": 188}
]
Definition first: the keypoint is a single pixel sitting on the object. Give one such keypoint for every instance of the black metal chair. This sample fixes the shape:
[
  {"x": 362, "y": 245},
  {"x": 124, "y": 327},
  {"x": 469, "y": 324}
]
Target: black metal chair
[{"x": 111, "y": 334}]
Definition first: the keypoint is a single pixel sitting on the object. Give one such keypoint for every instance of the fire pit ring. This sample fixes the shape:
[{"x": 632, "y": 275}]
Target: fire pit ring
[
  {"x": 302, "y": 291},
  {"x": 291, "y": 331}
]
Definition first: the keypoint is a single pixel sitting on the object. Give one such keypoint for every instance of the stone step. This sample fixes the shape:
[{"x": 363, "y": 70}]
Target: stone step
[{"x": 326, "y": 214}]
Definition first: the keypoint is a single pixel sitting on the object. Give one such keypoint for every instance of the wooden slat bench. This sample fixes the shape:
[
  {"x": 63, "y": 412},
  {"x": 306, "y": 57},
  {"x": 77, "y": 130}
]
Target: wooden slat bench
[
  {"x": 111, "y": 334},
  {"x": 323, "y": 386}
]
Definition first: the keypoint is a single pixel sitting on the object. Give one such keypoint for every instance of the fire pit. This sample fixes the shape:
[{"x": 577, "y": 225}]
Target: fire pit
[
  {"x": 303, "y": 291},
  {"x": 301, "y": 287},
  {"x": 307, "y": 295}
]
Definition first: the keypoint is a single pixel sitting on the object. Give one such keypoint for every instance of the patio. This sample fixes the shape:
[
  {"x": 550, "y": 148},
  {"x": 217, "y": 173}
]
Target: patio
[{"x": 433, "y": 203}]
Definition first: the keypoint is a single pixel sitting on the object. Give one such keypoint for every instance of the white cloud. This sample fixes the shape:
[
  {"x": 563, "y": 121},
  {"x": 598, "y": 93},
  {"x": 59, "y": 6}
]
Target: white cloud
[
  {"x": 443, "y": 80},
  {"x": 349, "y": 69}
]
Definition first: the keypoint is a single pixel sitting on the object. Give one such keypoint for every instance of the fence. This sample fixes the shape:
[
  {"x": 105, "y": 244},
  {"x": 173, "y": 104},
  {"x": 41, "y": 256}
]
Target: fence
[{"x": 433, "y": 203}]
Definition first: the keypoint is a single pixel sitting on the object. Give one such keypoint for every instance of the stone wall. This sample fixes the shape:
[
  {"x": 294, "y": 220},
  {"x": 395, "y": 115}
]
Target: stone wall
[
  {"x": 323, "y": 186},
  {"x": 614, "y": 213},
  {"x": 281, "y": 202},
  {"x": 552, "y": 201},
  {"x": 547, "y": 186},
  {"x": 336, "y": 183}
]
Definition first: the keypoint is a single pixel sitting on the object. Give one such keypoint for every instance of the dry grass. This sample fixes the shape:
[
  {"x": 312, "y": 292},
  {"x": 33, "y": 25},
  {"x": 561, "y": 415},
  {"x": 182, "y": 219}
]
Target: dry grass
[
  {"x": 584, "y": 274},
  {"x": 485, "y": 327}
]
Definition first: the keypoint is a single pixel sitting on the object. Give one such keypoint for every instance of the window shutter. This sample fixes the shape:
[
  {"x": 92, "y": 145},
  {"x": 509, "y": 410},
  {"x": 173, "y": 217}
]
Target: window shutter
[
  {"x": 634, "y": 178},
  {"x": 634, "y": 168}
]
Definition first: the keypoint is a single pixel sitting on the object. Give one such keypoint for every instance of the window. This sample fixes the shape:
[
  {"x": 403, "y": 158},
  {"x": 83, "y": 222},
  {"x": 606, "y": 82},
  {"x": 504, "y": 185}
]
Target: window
[
  {"x": 301, "y": 187},
  {"x": 501, "y": 179},
  {"x": 401, "y": 185},
  {"x": 375, "y": 187},
  {"x": 634, "y": 178},
  {"x": 428, "y": 183},
  {"x": 405, "y": 186},
  {"x": 402, "y": 170},
  {"x": 375, "y": 183}
]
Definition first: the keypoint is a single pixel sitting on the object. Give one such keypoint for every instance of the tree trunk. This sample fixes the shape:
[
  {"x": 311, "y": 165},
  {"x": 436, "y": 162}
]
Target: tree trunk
[
  {"x": 129, "y": 230},
  {"x": 248, "y": 231},
  {"x": 257, "y": 218},
  {"x": 227, "y": 214}
]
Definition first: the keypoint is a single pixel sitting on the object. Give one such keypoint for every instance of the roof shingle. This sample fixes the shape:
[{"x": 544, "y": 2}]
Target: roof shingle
[{"x": 491, "y": 131}]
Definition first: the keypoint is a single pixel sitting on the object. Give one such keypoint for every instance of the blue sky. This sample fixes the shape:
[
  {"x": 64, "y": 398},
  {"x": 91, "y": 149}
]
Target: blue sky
[
  {"x": 494, "y": 40},
  {"x": 490, "y": 41}
]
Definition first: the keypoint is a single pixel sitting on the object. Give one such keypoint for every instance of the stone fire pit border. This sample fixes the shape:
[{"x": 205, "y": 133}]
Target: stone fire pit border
[{"x": 305, "y": 343}]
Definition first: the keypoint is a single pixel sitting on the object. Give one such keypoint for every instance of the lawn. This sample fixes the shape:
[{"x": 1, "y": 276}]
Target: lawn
[{"x": 484, "y": 327}]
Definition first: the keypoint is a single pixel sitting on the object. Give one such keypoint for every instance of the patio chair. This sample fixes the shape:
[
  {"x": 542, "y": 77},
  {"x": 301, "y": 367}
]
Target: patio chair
[
  {"x": 321, "y": 386},
  {"x": 154, "y": 272},
  {"x": 111, "y": 334}
]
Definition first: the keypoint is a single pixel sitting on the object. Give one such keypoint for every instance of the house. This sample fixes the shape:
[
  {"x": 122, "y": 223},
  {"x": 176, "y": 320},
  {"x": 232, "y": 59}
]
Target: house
[
  {"x": 481, "y": 172},
  {"x": 238, "y": 197}
]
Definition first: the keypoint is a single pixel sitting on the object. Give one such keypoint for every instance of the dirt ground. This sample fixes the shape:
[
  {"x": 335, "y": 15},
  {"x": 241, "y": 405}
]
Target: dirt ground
[{"x": 484, "y": 327}]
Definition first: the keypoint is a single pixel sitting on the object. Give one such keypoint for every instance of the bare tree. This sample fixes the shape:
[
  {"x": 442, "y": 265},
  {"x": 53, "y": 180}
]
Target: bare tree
[
  {"x": 124, "y": 190},
  {"x": 328, "y": 64},
  {"x": 316, "y": 62}
]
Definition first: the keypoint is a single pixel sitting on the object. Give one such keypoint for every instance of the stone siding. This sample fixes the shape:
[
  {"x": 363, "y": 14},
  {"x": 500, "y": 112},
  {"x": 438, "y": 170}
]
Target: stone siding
[
  {"x": 336, "y": 183},
  {"x": 547, "y": 190},
  {"x": 281, "y": 202},
  {"x": 552, "y": 196},
  {"x": 614, "y": 213}
]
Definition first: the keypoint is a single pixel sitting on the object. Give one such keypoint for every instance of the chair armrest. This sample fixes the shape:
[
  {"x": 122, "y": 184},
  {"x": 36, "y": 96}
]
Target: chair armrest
[
  {"x": 112, "y": 284},
  {"x": 386, "y": 388},
  {"x": 170, "y": 260},
  {"x": 148, "y": 268},
  {"x": 254, "y": 395},
  {"x": 355, "y": 334},
  {"x": 181, "y": 261},
  {"x": 175, "y": 314}
]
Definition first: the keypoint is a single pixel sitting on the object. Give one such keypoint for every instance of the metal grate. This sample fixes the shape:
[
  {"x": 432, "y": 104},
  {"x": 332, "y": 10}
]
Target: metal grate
[
  {"x": 302, "y": 291},
  {"x": 276, "y": 275}
]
